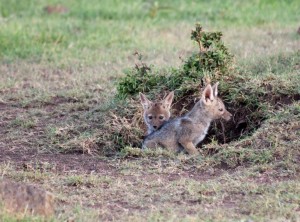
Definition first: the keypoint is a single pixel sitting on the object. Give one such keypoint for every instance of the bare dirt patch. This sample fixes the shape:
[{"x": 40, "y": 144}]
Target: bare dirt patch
[{"x": 59, "y": 163}]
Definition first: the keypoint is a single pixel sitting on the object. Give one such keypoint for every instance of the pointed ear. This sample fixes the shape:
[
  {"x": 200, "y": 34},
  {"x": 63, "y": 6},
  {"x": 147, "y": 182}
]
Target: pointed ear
[
  {"x": 169, "y": 99},
  {"x": 207, "y": 95},
  {"x": 215, "y": 89},
  {"x": 144, "y": 101}
]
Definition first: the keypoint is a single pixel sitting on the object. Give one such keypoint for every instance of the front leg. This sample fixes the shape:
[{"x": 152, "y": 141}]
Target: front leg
[
  {"x": 149, "y": 144},
  {"x": 189, "y": 147},
  {"x": 170, "y": 145}
]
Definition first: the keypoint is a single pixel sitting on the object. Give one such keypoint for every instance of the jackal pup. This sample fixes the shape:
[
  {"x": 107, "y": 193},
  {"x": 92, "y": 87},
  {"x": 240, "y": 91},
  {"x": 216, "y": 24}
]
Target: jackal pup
[
  {"x": 187, "y": 131},
  {"x": 156, "y": 113}
]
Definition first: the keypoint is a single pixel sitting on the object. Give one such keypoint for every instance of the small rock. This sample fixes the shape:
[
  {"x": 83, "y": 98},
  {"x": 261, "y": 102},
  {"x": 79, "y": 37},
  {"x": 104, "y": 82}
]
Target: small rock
[{"x": 23, "y": 198}]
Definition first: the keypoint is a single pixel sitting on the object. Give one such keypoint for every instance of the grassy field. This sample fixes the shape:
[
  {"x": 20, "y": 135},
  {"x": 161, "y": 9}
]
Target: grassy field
[{"x": 58, "y": 70}]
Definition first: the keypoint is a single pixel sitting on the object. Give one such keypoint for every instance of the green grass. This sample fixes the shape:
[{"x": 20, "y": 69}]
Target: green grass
[
  {"x": 57, "y": 83},
  {"x": 28, "y": 32}
]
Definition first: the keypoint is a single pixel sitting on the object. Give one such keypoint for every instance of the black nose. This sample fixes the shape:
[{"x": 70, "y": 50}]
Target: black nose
[{"x": 154, "y": 127}]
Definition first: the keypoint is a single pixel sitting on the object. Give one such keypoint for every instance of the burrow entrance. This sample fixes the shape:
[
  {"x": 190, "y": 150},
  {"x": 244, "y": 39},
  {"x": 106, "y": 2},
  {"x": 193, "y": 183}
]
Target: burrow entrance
[{"x": 246, "y": 119}]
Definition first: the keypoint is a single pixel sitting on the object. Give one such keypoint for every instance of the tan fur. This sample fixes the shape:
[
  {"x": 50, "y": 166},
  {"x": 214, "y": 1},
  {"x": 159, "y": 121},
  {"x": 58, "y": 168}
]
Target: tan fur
[
  {"x": 188, "y": 131},
  {"x": 156, "y": 113},
  {"x": 17, "y": 198}
]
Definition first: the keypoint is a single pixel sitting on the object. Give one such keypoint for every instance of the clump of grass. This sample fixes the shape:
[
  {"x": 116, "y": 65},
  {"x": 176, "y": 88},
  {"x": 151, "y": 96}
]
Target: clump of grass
[
  {"x": 24, "y": 123},
  {"x": 74, "y": 180}
]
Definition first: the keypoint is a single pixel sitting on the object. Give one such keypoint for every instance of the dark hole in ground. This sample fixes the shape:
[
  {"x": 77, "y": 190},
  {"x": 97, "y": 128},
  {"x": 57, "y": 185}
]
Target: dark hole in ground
[{"x": 246, "y": 119}]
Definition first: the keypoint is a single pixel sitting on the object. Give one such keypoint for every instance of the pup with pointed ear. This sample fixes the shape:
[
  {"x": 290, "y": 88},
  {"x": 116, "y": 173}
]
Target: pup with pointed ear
[
  {"x": 156, "y": 113},
  {"x": 167, "y": 101},
  {"x": 146, "y": 103},
  {"x": 210, "y": 93},
  {"x": 215, "y": 89}
]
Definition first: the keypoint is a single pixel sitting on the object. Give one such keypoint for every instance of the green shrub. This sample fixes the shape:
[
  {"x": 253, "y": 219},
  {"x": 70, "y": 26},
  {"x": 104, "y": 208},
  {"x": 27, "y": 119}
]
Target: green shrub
[{"x": 212, "y": 59}]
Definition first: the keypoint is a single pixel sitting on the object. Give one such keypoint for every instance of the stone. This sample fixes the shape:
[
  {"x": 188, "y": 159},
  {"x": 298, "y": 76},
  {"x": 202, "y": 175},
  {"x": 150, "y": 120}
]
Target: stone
[{"x": 23, "y": 198}]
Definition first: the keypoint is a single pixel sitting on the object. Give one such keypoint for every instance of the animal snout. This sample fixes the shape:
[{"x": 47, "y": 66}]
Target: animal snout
[
  {"x": 227, "y": 115},
  {"x": 155, "y": 127}
]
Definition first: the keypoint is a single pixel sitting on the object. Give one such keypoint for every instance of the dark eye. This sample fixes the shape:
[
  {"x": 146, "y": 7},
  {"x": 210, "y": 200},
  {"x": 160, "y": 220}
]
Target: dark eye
[
  {"x": 161, "y": 117},
  {"x": 150, "y": 117},
  {"x": 220, "y": 110}
]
